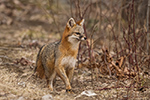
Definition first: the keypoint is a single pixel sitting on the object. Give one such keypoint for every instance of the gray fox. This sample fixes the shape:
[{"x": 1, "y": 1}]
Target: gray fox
[{"x": 59, "y": 58}]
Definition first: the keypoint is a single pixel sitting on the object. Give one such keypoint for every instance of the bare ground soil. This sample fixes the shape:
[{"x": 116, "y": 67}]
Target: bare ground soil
[{"x": 19, "y": 46}]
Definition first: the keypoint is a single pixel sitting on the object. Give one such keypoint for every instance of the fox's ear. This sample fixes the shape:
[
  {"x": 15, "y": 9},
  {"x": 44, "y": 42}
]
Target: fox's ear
[
  {"x": 71, "y": 22},
  {"x": 82, "y": 22}
]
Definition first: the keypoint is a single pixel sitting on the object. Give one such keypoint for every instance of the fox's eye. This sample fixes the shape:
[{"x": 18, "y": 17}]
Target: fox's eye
[{"x": 77, "y": 33}]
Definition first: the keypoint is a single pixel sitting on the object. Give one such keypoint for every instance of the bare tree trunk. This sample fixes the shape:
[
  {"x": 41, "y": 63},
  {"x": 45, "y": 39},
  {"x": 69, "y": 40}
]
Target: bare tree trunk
[
  {"x": 100, "y": 17},
  {"x": 71, "y": 8},
  {"x": 148, "y": 7}
]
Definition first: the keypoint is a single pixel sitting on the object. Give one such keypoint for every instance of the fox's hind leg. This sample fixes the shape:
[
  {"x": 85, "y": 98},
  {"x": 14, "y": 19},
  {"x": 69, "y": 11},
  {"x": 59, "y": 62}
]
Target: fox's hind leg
[{"x": 50, "y": 81}]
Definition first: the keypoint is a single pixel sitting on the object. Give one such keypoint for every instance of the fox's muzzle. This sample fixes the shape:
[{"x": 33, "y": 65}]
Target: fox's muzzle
[{"x": 81, "y": 37}]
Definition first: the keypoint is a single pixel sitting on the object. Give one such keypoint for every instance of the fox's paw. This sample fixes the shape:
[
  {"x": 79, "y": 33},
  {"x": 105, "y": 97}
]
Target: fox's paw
[
  {"x": 50, "y": 87},
  {"x": 69, "y": 91}
]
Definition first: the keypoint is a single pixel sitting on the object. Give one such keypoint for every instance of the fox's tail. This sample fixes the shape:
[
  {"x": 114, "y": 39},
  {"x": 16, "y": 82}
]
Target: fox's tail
[{"x": 39, "y": 69}]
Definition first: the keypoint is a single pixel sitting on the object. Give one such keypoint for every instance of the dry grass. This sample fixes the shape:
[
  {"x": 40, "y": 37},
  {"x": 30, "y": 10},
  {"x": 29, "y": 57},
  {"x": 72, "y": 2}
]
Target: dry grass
[{"x": 20, "y": 41}]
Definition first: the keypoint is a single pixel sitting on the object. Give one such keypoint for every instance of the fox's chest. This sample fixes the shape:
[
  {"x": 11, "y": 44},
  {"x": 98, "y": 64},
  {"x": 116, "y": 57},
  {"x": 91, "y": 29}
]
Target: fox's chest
[{"x": 68, "y": 61}]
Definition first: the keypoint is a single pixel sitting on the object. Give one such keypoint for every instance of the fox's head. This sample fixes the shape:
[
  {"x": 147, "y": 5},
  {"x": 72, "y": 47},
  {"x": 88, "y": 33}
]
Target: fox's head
[{"x": 74, "y": 31}]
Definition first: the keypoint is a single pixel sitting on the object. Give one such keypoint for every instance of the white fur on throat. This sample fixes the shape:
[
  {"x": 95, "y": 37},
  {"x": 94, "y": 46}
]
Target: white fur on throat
[
  {"x": 74, "y": 42},
  {"x": 69, "y": 61}
]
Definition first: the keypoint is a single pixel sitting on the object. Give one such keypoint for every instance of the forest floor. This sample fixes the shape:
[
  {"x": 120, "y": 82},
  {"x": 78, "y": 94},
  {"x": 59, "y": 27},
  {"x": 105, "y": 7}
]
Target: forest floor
[
  {"x": 17, "y": 62},
  {"x": 20, "y": 40}
]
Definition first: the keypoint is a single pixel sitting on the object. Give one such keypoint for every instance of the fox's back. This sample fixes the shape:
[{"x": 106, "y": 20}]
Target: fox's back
[{"x": 48, "y": 52}]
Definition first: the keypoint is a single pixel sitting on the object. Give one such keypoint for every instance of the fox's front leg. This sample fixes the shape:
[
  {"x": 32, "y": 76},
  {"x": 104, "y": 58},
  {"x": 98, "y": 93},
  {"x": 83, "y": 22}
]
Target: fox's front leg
[
  {"x": 70, "y": 72},
  {"x": 61, "y": 72}
]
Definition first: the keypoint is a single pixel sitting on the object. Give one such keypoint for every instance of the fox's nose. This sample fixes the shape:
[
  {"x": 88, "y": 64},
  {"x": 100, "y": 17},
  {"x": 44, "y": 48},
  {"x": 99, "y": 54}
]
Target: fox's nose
[{"x": 85, "y": 38}]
